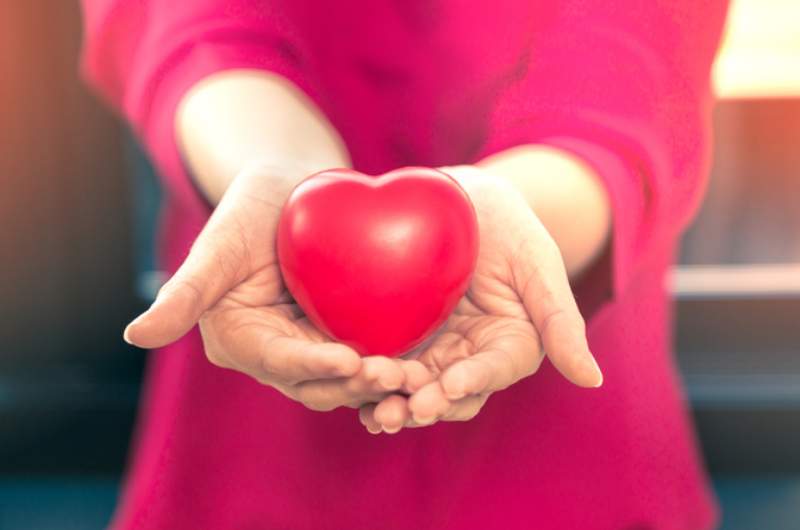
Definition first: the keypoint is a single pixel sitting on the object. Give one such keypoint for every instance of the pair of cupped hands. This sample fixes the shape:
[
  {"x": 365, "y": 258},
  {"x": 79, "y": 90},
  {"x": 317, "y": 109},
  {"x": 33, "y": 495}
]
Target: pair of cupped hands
[{"x": 519, "y": 307}]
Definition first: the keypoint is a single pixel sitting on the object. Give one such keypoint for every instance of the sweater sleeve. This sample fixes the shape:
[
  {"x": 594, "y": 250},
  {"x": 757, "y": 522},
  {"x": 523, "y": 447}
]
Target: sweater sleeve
[
  {"x": 143, "y": 55},
  {"x": 625, "y": 87}
]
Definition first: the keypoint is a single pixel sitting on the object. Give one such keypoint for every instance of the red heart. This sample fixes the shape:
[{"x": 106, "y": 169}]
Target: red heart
[{"x": 378, "y": 263}]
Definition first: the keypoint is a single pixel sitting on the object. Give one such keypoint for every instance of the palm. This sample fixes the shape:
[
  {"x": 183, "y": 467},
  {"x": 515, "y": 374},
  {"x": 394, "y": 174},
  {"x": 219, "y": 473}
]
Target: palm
[
  {"x": 519, "y": 303},
  {"x": 231, "y": 285},
  {"x": 262, "y": 301},
  {"x": 258, "y": 300},
  {"x": 490, "y": 317}
]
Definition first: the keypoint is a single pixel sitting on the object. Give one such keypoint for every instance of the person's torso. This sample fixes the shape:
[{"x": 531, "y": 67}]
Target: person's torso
[{"x": 412, "y": 82}]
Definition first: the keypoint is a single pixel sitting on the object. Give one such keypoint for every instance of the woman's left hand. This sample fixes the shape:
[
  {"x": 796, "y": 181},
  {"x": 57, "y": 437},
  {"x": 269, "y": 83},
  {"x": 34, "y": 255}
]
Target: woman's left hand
[{"x": 519, "y": 308}]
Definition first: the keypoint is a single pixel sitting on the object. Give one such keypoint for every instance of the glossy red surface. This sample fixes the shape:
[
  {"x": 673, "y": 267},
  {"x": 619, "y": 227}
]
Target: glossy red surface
[{"x": 378, "y": 263}]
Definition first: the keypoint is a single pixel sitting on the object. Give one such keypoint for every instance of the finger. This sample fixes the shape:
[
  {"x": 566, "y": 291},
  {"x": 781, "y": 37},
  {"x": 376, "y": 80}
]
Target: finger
[
  {"x": 392, "y": 413},
  {"x": 378, "y": 376},
  {"x": 219, "y": 258},
  {"x": 428, "y": 404},
  {"x": 541, "y": 280},
  {"x": 506, "y": 360},
  {"x": 261, "y": 351},
  {"x": 215, "y": 264},
  {"x": 462, "y": 410},
  {"x": 292, "y": 360},
  {"x": 465, "y": 409},
  {"x": 367, "y": 419},
  {"x": 416, "y": 376},
  {"x": 411, "y": 424}
]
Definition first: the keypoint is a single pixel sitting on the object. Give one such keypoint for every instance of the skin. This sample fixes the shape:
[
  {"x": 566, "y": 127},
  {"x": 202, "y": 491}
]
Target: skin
[{"x": 249, "y": 137}]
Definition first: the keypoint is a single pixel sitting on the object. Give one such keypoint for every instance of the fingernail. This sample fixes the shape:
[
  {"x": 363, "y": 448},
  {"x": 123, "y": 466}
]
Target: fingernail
[
  {"x": 392, "y": 430},
  {"x": 373, "y": 431},
  {"x": 126, "y": 335},
  {"x": 424, "y": 420},
  {"x": 598, "y": 373}
]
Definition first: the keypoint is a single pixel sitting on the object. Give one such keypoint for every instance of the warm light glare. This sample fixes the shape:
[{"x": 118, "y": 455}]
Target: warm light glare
[
  {"x": 735, "y": 281},
  {"x": 760, "y": 56}
]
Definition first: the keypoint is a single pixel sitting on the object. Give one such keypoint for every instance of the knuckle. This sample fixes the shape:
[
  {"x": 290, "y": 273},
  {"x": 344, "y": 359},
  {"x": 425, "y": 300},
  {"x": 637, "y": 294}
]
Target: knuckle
[
  {"x": 215, "y": 358},
  {"x": 552, "y": 317},
  {"x": 315, "y": 399},
  {"x": 212, "y": 345},
  {"x": 469, "y": 415},
  {"x": 321, "y": 405},
  {"x": 564, "y": 319},
  {"x": 530, "y": 366},
  {"x": 185, "y": 285},
  {"x": 215, "y": 328}
]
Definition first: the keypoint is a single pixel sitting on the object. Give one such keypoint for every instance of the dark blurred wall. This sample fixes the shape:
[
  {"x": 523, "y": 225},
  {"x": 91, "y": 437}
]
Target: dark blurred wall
[{"x": 65, "y": 275}]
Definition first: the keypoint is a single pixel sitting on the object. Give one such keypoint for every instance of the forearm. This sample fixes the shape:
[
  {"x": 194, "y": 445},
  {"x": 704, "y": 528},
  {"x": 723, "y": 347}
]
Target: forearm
[
  {"x": 240, "y": 118},
  {"x": 566, "y": 195}
]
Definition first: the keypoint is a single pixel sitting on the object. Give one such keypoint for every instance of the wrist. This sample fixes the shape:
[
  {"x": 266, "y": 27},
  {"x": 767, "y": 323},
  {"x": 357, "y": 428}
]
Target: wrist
[
  {"x": 236, "y": 119},
  {"x": 291, "y": 170},
  {"x": 282, "y": 171},
  {"x": 565, "y": 193},
  {"x": 476, "y": 181},
  {"x": 271, "y": 180}
]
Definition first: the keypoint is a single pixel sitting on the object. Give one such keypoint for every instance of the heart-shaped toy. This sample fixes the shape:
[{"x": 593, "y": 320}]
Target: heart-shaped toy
[{"x": 378, "y": 263}]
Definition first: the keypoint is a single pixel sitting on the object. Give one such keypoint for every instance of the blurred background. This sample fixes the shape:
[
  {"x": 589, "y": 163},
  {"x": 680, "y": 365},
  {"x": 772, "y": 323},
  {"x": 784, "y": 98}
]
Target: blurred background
[{"x": 78, "y": 203}]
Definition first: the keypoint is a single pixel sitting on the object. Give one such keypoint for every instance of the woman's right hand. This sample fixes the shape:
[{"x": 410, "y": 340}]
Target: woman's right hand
[{"x": 231, "y": 285}]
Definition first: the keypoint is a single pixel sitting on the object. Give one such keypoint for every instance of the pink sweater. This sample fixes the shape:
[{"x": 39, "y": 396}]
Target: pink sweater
[{"x": 622, "y": 84}]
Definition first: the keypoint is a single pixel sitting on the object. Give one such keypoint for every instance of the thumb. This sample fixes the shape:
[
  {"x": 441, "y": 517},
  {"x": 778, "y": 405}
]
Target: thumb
[
  {"x": 543, "y": 285},
  {"x": 214, "y": 266},
  {"x": 240, "y": 232}
]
